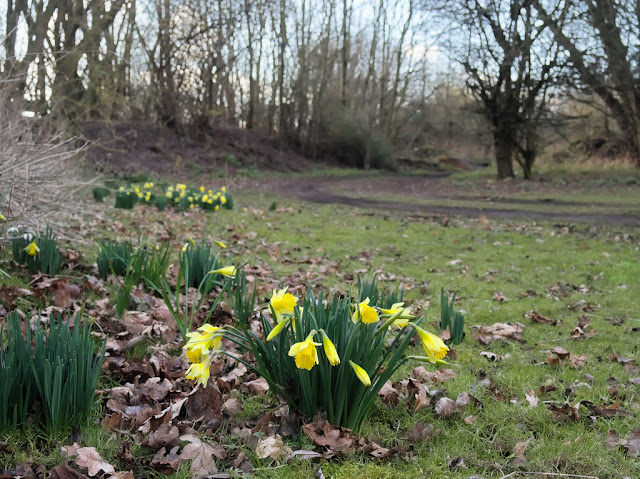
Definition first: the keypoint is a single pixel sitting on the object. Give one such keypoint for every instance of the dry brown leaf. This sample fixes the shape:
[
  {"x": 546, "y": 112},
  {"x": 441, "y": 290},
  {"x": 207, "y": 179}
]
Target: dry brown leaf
[
  {"x": 165, "y": 435},
  {"x": 232, "y": 406},
  {"x": 123, "y": 475},
  {"x": 471, "y": 419},
  {"x": 519, "y": 448},
  {"x": 88, "y": 457},
  {"x": 558, "y": 356},
  {"x": 490, "y": 356},
  {"x": 205, "y": 403},
  {"x": 445, "y": 407},
  {"x": 417, "y": 394},
  {"x": 155, "y": 389},
  {"x": 166, "y": 462},
  {"x": 257, "y": 387},
  {"x": 336, "y": 439},
  {"x": 538, "y": 318},
  {"x": 420, "y": 432},
  {"x": 462, "y": 401},
  {"x": 443, "y": 375},
  {"x": 304, "y": 454},
  {"x": 390, "y": 395},
  {"x": 202, "y": 455},
  {"x": 273, "y": 447},
  {"x": 532, "y": 398},
  {"x": 630, "y": 444},
  {"x": 506, "y": 331},
  {"x": 421, "y": 374},
  {"x": 500, "y": 298},
  {"x": 606, "y": 411},
  {"x": 63, "y": 471},
  {"x": 564, "y": 413}
]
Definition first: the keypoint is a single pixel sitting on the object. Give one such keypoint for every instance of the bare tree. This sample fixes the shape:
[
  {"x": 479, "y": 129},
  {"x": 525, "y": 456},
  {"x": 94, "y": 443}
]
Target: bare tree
[
  {"x": 510, "y": 66},
  {"x": 601, "y": 39}
]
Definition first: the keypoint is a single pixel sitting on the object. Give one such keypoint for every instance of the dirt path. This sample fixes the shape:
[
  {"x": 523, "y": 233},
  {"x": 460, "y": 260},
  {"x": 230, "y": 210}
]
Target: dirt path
[{"x": 365, "y": 189}]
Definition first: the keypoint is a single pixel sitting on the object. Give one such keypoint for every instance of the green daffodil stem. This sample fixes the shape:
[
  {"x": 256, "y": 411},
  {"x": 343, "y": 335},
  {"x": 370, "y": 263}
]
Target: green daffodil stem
[{"x": 387, "y": 323}]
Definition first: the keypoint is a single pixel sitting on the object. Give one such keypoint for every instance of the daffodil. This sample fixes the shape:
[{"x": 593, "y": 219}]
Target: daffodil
[
  {"x": 200, "y": 371},
  {"x": 361, "y": 374},
  {"x": 3, "y": 218},
  {"x": 305, "y": 352},
  {"x": 398, "y": 308},
  {"x": 229, "y": 271},
  {"x": 365, "y": 313},
  {"x": 432, "y": 344},
  {"x": 330, "y": 349},
  {"x": 208, "y": 339},
  {"x": 220, "y": 243},
  {"x": 223, "y": 189},
  {"x": 277, "y": 329},
  {"x": 282, "y": 303},
  {"x": 32, "y": 248}
]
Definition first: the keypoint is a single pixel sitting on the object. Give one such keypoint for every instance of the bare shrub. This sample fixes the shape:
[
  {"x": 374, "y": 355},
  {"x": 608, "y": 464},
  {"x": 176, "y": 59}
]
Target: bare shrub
[{"x": 39, "y": 169}]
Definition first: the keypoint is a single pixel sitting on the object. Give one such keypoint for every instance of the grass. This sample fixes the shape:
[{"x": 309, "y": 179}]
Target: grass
[{"x": 553, "y": 269}]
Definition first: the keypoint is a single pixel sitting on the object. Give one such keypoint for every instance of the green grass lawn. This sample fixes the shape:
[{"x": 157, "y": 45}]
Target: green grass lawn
[{"x": 568, "y": 273}]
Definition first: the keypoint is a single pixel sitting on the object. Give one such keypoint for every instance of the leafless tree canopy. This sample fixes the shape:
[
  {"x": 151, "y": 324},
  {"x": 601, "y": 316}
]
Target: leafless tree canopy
[{"x": 336, "y": 77}]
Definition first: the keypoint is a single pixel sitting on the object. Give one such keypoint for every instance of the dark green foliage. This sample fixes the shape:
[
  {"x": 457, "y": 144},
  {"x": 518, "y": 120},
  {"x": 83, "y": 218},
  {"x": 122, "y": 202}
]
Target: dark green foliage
[
  {"x": 161, "y": 202},
  {"x": 273, "y": 206},
  {"x": 334, "y": 389},
  {"x": 126, "y": 200},
  {"x": 47, "y": 260},
  {"x": 100, "y": 193},
  {"x": 243, "y": 301},
  {"x": 228, "y": 205},
  {"x": 451, "y": 319},
  {"x": 135, "y": 265},
  {"x": 196, "y": 261},
  {"x": 50, "y": 375},
  {"x": 368, "y": 288},
  {"x": 113, "y": 257}
]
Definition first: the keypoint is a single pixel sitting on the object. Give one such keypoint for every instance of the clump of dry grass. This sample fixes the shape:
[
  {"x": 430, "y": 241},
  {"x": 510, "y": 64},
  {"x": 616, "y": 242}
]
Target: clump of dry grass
[{"x": 39, "y": 169}]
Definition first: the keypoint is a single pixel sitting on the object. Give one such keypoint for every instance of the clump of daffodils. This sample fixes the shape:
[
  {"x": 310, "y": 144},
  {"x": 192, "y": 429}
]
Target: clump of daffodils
[
  {"x": 332, "y": 356},
  {"x": 179, "y": 196}
]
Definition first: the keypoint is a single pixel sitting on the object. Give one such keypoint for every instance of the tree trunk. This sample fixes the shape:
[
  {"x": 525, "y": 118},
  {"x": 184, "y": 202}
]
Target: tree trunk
[{"x": 504, "y": 154}]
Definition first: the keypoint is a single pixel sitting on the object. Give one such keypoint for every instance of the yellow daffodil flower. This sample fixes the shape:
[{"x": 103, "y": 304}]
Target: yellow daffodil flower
[
  {"x": 223, "y": 189},
  {"x": 361, "y": 374},
  {"x": 208, "y": 339},
  {"x": 432, "y": 344},
  {"x": 278, "y": 328},
  {"x": 398, "y": 308},
  {"x": 200, "y": 371},
  {"x": 202, "y": 189},
  {"x": 229, "y": 271},
  {"x": 216, "y": 208},
  {"x": 365, "y": 313},
  {"x": 305, "y": 352},
  {"x": 330, "y": 349},
  {"x": 3, "y": 218},
  {"x": 220, "y": 243},
  {"x": 282, "y": 303},
  {"x": 32, "y": 248}
]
